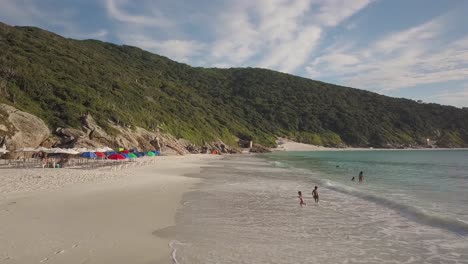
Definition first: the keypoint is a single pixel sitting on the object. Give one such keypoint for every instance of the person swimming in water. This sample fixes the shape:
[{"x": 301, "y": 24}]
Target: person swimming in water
[
  {"x": 361, "y": 176},
  {"x": 301, "y": 200},
  {"x": 315, "y": 194}
]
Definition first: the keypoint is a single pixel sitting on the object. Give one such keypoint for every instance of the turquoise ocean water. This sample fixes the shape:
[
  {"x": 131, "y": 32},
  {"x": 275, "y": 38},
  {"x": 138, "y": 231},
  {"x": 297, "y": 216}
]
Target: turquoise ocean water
[
  {"x": 411, "y": 208},
  {"x": 428, "y": 184}
]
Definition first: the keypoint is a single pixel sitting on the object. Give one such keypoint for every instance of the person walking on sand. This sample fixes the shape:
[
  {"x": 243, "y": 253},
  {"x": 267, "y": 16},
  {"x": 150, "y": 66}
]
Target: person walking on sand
[
  {"x": 361, "y": 176},
  {"x": 352, "y": 179},
  {"x": 301, "y": 200},
  {"x": 315, "y": 194}
]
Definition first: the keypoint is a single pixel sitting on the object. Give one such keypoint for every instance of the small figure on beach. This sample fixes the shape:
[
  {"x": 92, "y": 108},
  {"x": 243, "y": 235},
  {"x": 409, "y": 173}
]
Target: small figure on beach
[
  {"x": 301, "y": 200},
  {"x": 352, "y": 179},
  {"x": 315, "y": 194},
  {"x": 361, "y": 176}
]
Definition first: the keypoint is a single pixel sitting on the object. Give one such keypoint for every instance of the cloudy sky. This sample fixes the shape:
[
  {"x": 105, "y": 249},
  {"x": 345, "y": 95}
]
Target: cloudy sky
[{"x": 404, "y": 48}]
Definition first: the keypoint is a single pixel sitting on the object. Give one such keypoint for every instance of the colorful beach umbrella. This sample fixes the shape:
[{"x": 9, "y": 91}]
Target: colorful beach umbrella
[
  {"x": 90, "y": 155},
  {"x": 100, "y": 155},
  {"x": 116, "y": 157},
  {"x": 150, "y": 154},
  {"x": 132, "y": 156},
  {"x": 125, "y": 155},
  {"x": 125, "y": 151}
]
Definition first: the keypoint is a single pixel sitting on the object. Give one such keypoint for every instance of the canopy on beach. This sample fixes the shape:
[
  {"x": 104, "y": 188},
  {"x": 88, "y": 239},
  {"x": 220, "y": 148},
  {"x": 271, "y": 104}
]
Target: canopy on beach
[
  {"x": 43, "y": 149},
  {"x": 26, "y": 150},
  {"x": 100, "y": 154},
  {"x": 125, "y": 155},
  {"x": 132, "y": 156},
  {"x": 150, "y": 154},
  {"x": 81, "y": 150},
  {"x": 125, "y": 151},
  {"x": 116, "y": 157},
  {"x": 104, "y": 149},
  {"x": 90, "y": 155}
]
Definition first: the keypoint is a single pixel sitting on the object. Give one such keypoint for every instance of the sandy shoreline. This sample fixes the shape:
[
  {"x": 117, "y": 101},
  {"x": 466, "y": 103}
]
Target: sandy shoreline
[{"x": 82, "y": 216}]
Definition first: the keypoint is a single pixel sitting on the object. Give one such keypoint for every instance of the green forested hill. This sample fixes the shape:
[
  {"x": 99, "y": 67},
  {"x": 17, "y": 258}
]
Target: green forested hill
[{"x": 59, "y": 79}]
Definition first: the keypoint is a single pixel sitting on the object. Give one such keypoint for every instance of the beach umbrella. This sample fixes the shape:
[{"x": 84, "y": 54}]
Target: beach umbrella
[
  {"x": 157, "y": 152},
  {"x": 132, "y": 156},
  {"x": 125, "y": 155},
  {"x": 150, "y": 154},
  {"x": 116, "y": 157},
  {"x": 90, "y": 155},
  {"x": 121, "y": 149},
  {"x": 139, "y": 154},
  {"x": 100, "y": 155},
  {"x": 125, "y": 151}
]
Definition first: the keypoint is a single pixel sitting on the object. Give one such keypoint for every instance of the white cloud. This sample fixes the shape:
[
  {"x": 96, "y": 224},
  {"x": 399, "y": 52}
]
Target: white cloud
[
  {"x": 154, "y": 19},
  {"x": 276, "y": 34},
  {"x": 415, "y": 56},
  {"x": 333, "y": 12}
]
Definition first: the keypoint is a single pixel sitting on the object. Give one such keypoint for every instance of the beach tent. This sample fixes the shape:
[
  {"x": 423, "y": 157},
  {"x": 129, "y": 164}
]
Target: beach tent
[
  {"x": 150, "y": 154},
  {"x": 90, "y": 155},
  {"x": 100, "y": 155},
  {"x": 116, "y": 157},
  {"x": 132, "y": 156}
]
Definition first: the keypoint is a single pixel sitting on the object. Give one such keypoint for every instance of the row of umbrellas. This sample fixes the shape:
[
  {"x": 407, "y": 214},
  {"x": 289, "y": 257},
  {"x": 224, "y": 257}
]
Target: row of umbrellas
[
  {"x": 104, "y": 152},
  {"x": 119, "y": 156}
]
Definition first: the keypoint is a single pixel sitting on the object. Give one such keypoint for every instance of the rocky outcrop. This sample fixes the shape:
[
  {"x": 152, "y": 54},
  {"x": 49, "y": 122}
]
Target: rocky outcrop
[{"x": 20, "y": 129}]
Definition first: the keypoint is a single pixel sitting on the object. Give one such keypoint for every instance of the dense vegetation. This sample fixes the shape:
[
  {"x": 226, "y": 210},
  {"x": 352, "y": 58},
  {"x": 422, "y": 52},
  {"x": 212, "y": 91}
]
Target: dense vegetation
[{"x": 59, "y": 79}]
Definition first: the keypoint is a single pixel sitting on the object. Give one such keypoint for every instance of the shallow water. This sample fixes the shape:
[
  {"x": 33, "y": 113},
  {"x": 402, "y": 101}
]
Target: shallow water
[{"x": 247, "y": 211}]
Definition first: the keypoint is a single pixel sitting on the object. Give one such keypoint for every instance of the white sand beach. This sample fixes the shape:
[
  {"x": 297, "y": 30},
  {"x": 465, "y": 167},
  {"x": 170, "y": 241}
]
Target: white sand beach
[{"x": 93, "y": 216}]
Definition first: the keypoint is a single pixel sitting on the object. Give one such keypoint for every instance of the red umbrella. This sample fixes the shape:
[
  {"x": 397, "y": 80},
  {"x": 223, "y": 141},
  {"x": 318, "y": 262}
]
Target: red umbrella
[
  {"x": 126, "y": 151},
  {"x": 100, "y": 154},
  {"x": 116, "y": 157}
]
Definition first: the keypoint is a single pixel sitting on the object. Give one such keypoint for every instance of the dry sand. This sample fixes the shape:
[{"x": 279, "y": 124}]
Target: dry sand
[
  {"x": 289, "y": 145},
  {"x": 99, "y": 216}
]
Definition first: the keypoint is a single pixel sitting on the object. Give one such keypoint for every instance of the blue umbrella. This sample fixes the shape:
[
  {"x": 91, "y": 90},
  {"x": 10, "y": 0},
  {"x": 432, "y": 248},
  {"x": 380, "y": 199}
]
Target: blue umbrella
[
  {"x": 90, "y": 155},
  {"x": 125, "y": 155}
]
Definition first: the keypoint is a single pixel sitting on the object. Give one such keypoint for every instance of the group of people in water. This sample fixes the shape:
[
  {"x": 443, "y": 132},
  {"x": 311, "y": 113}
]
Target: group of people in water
[{"x": 315, "y": 194}]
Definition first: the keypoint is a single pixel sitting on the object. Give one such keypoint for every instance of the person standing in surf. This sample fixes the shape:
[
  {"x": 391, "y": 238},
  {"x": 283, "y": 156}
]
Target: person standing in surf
[
  {"x": 301, "y": 200},
  {"x": 361, "y": 176},
  {"x": 315, "y": 194}
]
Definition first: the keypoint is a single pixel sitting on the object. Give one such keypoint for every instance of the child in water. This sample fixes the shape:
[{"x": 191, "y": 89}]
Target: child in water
[
  {"x": 301, "y": 201},
  {"x": 315, "y": 194}
]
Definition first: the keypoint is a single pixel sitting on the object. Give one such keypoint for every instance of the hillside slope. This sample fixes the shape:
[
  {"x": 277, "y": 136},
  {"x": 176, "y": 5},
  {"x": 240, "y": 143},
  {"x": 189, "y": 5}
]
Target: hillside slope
[{"x": 60, "y": 80}]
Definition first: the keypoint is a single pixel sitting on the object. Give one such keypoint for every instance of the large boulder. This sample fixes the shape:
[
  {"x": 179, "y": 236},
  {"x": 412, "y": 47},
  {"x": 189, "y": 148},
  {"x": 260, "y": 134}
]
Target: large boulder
[{"x": 20, "y": 129}]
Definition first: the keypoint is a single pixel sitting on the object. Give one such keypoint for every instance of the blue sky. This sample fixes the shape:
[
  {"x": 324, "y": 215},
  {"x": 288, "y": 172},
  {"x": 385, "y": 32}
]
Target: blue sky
[{"x": 403, "y": 48}]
